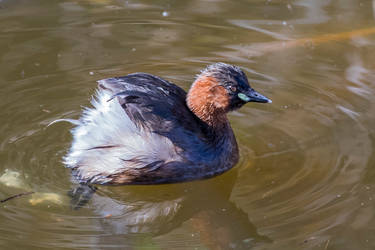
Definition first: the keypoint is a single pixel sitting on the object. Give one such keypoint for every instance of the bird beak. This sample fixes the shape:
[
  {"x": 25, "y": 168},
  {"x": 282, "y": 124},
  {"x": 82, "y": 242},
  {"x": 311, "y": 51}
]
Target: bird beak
[{"x": 253, "y": 96}]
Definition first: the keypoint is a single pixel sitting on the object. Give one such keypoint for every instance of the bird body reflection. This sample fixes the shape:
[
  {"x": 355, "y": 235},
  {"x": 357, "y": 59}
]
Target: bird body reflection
[{"x": 130, "y": 212}]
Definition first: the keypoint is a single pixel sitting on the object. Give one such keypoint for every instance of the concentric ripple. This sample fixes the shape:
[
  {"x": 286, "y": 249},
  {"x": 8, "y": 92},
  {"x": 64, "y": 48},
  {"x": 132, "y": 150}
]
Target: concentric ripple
[{"x": 305, "y": 177}]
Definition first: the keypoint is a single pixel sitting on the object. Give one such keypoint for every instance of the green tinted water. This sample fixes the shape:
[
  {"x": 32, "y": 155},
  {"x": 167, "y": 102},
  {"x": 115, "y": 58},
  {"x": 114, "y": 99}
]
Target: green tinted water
[{"x": 306, "y": 176}]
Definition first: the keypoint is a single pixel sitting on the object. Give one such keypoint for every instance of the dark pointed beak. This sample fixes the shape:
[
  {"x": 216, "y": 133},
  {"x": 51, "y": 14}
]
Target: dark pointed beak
[{"x": 253, "y": 96}]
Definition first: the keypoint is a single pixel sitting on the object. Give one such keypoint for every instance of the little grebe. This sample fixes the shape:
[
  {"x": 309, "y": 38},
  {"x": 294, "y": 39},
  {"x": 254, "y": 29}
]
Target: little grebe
[{"x": 145, "y": 130}]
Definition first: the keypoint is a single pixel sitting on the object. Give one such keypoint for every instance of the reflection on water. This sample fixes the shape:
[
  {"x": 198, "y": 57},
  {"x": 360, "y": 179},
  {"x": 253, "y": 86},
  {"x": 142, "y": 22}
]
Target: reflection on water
[
  {"x": 157, "y": 210},
  {"x": 306, "y": 176}
]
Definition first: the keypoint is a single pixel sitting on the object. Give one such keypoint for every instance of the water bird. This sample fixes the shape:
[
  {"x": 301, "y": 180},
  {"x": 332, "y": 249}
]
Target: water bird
[{"x": 143, "y": 129}]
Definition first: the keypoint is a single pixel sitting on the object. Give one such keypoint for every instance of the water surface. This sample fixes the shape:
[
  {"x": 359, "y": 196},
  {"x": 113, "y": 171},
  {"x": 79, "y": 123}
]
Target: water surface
[{"x": 306, "y": 176}]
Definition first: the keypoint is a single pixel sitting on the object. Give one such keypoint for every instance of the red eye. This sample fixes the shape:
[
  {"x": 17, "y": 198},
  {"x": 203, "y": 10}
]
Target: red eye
[{"x": 233, "y": 89}]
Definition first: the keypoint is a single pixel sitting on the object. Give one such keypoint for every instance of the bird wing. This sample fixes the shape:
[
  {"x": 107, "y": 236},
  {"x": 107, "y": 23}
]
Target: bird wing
[{"x": 154, "y": 104}]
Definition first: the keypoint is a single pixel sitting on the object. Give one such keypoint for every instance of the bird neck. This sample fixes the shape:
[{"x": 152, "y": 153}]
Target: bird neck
[{"x": 209, "y": 102}]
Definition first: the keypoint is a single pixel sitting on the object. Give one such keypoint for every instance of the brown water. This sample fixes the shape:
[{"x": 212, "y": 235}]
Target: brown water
[{"x": 306, "y": 178}]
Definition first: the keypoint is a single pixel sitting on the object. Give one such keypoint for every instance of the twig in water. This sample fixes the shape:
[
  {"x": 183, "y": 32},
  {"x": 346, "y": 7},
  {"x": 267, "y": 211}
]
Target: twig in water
[
  {"x": 16, "y": 196},
  {"x": 326, "y": 247}
]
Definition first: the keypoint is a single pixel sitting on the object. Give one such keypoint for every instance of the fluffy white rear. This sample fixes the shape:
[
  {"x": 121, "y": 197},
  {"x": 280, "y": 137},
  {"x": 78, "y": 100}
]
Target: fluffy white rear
[{"x": 107, "y": 124}]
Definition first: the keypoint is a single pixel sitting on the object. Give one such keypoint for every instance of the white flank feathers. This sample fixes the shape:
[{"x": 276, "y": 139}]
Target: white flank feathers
[{"x": 107, "y": 124}]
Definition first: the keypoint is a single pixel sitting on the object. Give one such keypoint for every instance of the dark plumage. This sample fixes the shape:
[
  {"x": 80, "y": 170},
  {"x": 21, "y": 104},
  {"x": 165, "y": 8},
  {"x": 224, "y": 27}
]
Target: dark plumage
[{"x": 146, "y": 130}]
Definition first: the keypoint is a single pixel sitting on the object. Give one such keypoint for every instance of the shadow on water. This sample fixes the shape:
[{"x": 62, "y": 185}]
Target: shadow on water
[{"x": 130, "y": 214}]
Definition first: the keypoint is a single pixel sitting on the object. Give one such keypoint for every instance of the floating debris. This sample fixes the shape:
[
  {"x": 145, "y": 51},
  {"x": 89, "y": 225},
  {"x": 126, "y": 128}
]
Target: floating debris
[
  {"x": 12, "y": 179},
  {"x": 16, "y": 196},
  {"x": 38, "y": 198}
]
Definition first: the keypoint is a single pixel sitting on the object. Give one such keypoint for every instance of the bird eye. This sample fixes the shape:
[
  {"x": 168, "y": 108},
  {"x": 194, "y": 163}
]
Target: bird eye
[{"x": 232, "y": 88}]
